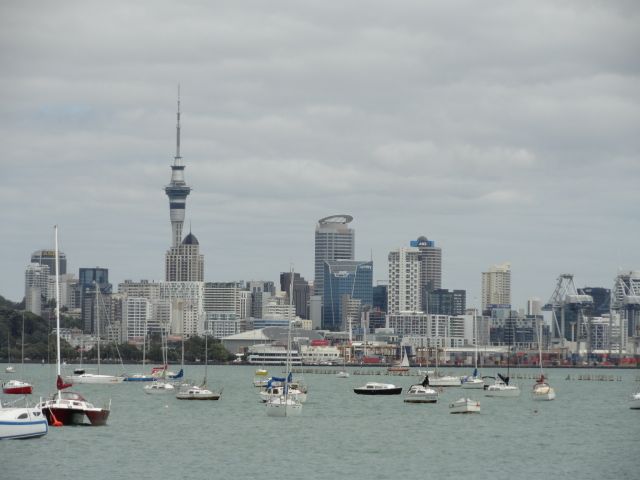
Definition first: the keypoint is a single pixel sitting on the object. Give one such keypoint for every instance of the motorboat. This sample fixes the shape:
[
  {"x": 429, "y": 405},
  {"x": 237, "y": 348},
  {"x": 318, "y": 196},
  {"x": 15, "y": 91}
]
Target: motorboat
[
  {"x": 194, "y": 392},
  {"x": 71, "y": 408},
  {"x": 635, "y": 401},
  {"x": 17, "y": 387},
  {"x": 284, "y": 406},
  {"x": 375, "y": 388},
  {"x": 542, "y": 390},
  {"x": 501, "y": 388},
  {"x": 159, "y": 387},
  {"x": 22, "y": 422},
  {"x": 464, "y": 405},
  {"x": 421, "y": 393}
]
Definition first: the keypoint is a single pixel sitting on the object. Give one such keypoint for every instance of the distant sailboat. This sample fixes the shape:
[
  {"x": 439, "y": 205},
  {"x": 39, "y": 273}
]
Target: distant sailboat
[
  {"x": 541, "y": 389},
  {"x": 474, "y": 381},
  {"x": 199, "y": 392},
  {"x": 18, "y": 387}
]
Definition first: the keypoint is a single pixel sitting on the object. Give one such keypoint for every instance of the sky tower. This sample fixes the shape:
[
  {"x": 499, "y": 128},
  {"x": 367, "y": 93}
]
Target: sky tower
[{"x": 177, "y": 190}]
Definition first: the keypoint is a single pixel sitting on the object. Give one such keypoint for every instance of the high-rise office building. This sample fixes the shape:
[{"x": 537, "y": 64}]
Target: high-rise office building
[
  {"x": 344, "y": 282},
  {"x": 36, "y": 283},
  {"x": 496, "y": 286},
  {"x": 404, "y": 289},
  {"x": 48, "y": 257},
  {"x": 261, "y": 292},
  {"x": 95, "y": 291},
  {"x": 444, "y": 302},
  {"x": 334, "y": 241},
  {"x": 430, "y": 263},
  {"x": 301, "y": 292},
  {"x": 184, "y": 263}
]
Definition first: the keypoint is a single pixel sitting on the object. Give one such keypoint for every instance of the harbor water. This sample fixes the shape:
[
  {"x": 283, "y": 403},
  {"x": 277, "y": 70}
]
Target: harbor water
[{"x": 588, "y": 432}]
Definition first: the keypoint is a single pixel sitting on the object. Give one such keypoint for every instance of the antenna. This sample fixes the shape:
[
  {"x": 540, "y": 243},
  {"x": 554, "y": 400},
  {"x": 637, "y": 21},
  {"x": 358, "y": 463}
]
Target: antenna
[{"x": 178, "y": 157}]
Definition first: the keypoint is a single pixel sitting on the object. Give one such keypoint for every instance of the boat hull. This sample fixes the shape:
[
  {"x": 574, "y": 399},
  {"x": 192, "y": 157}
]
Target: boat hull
[
  {"x": 635, "y": 402},
  {"x": 33, "y": 425},
  {"x": 421, "y": 399},
  {"x": 76, "y": 416},
  {"x": 89, "y": 378},
  {"x": 505, "y": 392},
  {"x": 464, "y": 405},
  {"x": 473, "y": 384},
  {"x": 543, "y": 393},
  {"x": 381, "y": 391},
  {"x": 279, "y": 407},
  {"x": 445, "y": 382},
  {"x": 13, "y": 387}
]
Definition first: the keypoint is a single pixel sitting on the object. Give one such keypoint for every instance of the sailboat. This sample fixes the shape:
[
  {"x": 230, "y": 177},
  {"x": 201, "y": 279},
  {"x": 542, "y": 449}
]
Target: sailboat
[
  {"x": 141, "y": 377},
  {"x": 541, "y": 389},
  {"x": 444, "y": 380},
  {"x": 501, "y": 386},
  {"x": 421, "y": 393},
  {"x": 95, "y": 378},
  {"x": 402, "y": 366},
  {"x": 18, "y": 387},
  {"x": 474, "y": 381},
  {"x": 199, "y": 392},
  {"x": 160, "y": 383},
  {"x": 286, "y": 405},
  {"x": 68, "y": 408},
  {"x": 22, "y": 422}
]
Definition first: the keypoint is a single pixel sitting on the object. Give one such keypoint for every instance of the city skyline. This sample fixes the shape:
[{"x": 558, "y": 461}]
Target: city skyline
[{"x": 503, "y": 155}]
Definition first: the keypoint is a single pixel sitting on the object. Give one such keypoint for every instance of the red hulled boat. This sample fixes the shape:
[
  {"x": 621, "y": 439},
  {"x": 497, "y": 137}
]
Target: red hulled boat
[{"x": 17, "y": 387}]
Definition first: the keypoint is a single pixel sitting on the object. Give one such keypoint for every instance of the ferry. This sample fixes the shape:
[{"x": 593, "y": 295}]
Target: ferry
[{"x": 268, "y": 354}]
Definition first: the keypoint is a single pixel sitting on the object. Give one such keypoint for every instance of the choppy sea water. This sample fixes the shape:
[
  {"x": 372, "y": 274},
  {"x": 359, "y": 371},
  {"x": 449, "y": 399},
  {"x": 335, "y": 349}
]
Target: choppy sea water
[{"x": 588, "y": 432}]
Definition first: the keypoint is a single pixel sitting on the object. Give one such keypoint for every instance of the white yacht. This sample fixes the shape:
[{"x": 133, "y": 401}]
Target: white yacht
[
  {"x": 421, "y": 393},
  {"x": 159, "y": 387},
  {"x": 501, "y": 388},
  {"x": 22, "y": 422},
  {"x": 542, "y": 390},
  {"x": 635, "y": 401}
]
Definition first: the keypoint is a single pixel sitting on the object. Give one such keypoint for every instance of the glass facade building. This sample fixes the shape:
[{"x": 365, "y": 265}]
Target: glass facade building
[{"x": 345, "y": 281}]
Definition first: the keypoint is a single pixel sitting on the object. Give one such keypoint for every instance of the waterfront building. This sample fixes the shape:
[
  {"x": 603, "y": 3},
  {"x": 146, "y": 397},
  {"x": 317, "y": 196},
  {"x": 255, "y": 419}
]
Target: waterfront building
[
  {"x": 430, "y": 258},
  {"x": 496, "y": 286},
  {"x": 404, "y": 289},
  {"x": 345, "y": 278},
  {"x": 334, "y": 240}
]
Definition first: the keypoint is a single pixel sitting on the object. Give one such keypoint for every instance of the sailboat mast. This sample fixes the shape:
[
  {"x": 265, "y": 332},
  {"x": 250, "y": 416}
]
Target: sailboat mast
[
  {"x": 22, "y": 350},
  {"x": 98, "y": 323},
  {"x": 57, "y": 302}
]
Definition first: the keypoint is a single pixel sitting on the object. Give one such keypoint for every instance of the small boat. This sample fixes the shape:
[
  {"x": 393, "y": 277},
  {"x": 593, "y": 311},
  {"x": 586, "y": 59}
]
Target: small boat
[
  {"x": 276, "y": 387},
  {"x": 284, "y": 406},
  {"x": 69, "y": 408},
  {"x": 189, "y": 391},
  {"x": 140, "y": 377},
  {"x": 10, "y": 369},
  {"x": 194, "y": 392},
  {"x": 261, "y": 372},
  {"x": 402, "y": 366},
  {"x": 421, "y": 393},
  {"x": 446, "y": 381},
  {"x": 542, "y": 390},
  {"x": 342, "y": 374},
  {"x": 94, "y": 378},
  {"x": 474, "y": 381},
  {"x": 464, "y": 405},
  {"x": 635, "y": 401},
  {"x": 375, "y": 388},
  {"x": 17, "y": 387},
  {"x": 159, "y": 387},
  {"x": 22, "y": 422},
  {"x": 501, "y": 388}
]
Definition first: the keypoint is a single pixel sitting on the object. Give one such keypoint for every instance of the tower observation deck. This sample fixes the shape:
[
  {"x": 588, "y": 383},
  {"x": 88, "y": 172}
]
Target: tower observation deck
[{"x": 177, "y": 190}]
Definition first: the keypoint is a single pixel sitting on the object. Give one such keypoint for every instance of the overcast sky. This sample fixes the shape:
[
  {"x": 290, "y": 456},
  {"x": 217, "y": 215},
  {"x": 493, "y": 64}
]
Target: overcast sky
[{"x": 506, "y": 131}]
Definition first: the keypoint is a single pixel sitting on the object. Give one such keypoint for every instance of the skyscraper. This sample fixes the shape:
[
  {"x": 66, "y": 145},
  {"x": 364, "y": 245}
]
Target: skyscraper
[
  {"x": 404, "y": 281},
  {"x": 496, "y": 286},
  {"x": 184, "y": 263},
  {"x": 348, "y": 287},
  {"x": 430, "y": 263},
  {"x": 300, "y": 292},
  {"x": 48, "y": 257},
  {"x": 334, "y": 241},
  {"x": 90, "y": 279},
  {"x": 36, "y": 280}
]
